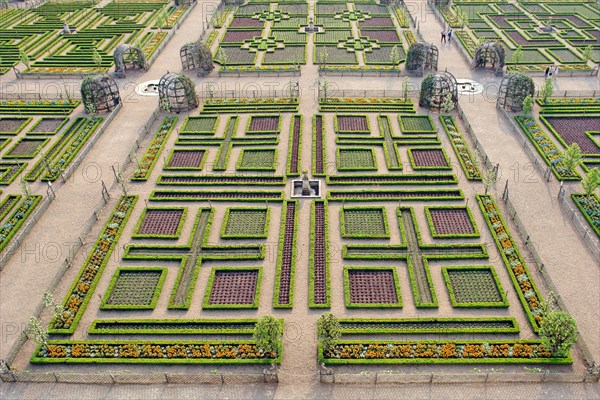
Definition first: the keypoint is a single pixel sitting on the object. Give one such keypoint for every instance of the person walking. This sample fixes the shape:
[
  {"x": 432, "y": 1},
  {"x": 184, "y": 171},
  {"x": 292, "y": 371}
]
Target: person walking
[
  {"x": 449, "y": 35},
  {"x": 555, "y": 72},
  {"x": 547, "y": 72},
  {"x": 443, "y": 36}
]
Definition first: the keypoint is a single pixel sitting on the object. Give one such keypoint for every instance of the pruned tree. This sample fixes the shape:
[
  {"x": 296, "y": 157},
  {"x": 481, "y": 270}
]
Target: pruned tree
[
  {"x": 591, "y": 182},
  {"x": 96, "y": 57},
  {"x": 488, "y": 178},
  {"x": 558, "y": 332},
  {"x": 328, "y": 331},
  {"x": 24, "y": 58},
  {"x": 587, "y": 53},
  {"x": 517, "y": 55},
  {"x": 547, "y": 89},
  {"x": 395, "y": 58},
  {"x": 405, "y": 88},
  {"x": 222, "y": 57},
  {"x": 268, "y": 334},
  {"x": 527, "y": 105},
  {"x": 35, "y": 331},
  {"x": 323, "y": 56},
  {"x": 572, "y": 157}
]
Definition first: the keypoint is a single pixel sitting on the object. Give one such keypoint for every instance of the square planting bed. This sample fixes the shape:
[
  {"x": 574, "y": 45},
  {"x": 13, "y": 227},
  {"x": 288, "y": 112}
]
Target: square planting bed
[
  {"x": 371, "y": 287},
  {"x": 245, "y": 223},
  {"x": 12, "y": 125},
  {"x": 383, "y": 36},
  {"x": 26, "y": 147},
  {"x": 448, "y": 222},
  {"x": 134, "y": 289},
  {"x": 47, "y": 126},
  {"x": 243, "y": 22},
  {"x": 364, "y": 223},
  {"x": 160, "y": 223},
  {"x": 474, "y": 287},
  {"x": 416, "y": 124},
  {"x": 263, "y": 124},
  {"x": 185, "y": 159},
  {"x": 257, "y": 159},
  {"x": 428, "y": 158},
  {"x": 377, "y": 21},
  {"x": 576, "y": 129},
  {"x": 233, "y": 288},
  {"x": 352, "y": 124},
  {"x": 356, "y": 159},
  {"x": 200, "y": 126},
  {"x": 239, "y": 36}
]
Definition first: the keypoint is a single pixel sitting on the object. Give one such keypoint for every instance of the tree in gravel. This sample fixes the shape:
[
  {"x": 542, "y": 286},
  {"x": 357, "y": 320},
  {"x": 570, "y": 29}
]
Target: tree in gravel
[
  {"x": 267, "y": 334},
  {"x": 591, "y": 182},
  {"x": 558, "y": 333},
  {"x": 328, "y": 331},
  {"x": 572, "y": 156},
  {"x": 405, "y": 88},
  {"x": 547, "y": 89},
  {"x": 488, "y": 178},
  {"x": 35, "y": 331},
  {"x": 395, "y": 58},
  {"x": 527, "y": 105}
]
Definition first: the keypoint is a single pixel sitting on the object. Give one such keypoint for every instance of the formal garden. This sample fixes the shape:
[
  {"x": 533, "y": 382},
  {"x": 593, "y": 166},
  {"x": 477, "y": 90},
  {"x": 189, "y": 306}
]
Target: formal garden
[{"x": 374, "y": 225}]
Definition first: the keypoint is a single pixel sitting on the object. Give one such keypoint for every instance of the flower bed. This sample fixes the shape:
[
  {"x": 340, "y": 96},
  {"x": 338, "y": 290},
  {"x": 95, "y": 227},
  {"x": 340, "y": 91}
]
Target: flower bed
[
  {"x": 233, "y": 287},
  {"x": 351, "y": 124},
  {"x": 428, "y": 158},
  {"x": 461, "y": 149},
  {"x": 319, "y": 292},
  {"x": 372, "y": 287},
  {"x": 134, "y": 289},
  {"x": 547, "y": 149},
  {"x": 143, "y": 171},
  {"x": 245, "y": 105},
  {"x": 364, "y": 223},
  {"x": 392, "y": 179},
  {"x": 439, "y": 352},
  {"x": 395, "y": 195},
  {"x": 26, "y": 147},
  {"x": 416, "y": 124},
  {"x": 283, "y": 294},
  {"x": 520, "y": 276},
  {"x": 356, "y": 159},
  {"x": 264, "y": 124},
  {"x": 575, "y": 129},
  {"x": 153, "y": 352},
  {"x": 84, "y": 285},
  {"x": 9, "y": 171},
  {"x": 474, "y": 287},
  {"x": 12, "y": 225},
  {"x": 47, "y": 126},
  {"x": 160, "y": 223},
  {"x": 451, "y": 222},
  {"x": 360, "y": 104},
  {"x": 357, "y": 326},
  {"x": 294, "y": 146},
  {"x": 245, "y": 223},
  {"x": 12, "y": 125},
  {"x": 185, "y": 159},
  {"x": 257, "y": 160},
  {"x": 37, "y": 107},
  {"x": 216, "y": 195},
  {"x": 318, "y": 147},
  {"x": 200, "y": 125},
  {"x": 174, "y": 326},
  {"x": 590, "y": 208}
]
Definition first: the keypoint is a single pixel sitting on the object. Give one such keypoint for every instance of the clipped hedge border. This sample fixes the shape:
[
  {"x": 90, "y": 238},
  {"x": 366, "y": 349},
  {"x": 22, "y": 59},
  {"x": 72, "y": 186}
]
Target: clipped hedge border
[
  {"x": 348, "y": 300},
  {"x": 155, "y": 147},
  {"x": 441, "y": 352},
  {"x": 7, "y": 204},
  {"x": 436, "y": 235},
  {"x": 455, "y": 303},
  {"x": 461, "y": 148},
  {"x": 158, "y": 352},
  {"x": 136, "y": 232},
  {"x": 263, "y": 235},
  {"x": 10, "y": 170},
  {"x": 587, "y": 213},
  {"x": 83, "y": 286},
  {"x": 311, "y": 262},
  {"x": 345, "y": 234},
  {"x": 209, "y": 289},
  {"x": 424, "y": 325},
  {"x": 276, "y": 303},
  {"x": 113, "y": 281},
  {"x": 569, "y": 102},
  {"x": 517, "y": 269}
]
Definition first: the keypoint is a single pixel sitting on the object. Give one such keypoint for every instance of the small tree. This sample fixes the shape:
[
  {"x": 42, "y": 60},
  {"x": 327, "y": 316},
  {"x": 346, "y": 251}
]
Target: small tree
[
  {"x": 587, "y": 53},
  {"x": 448, "y": 104},
  {"x": 24, "y": 58},
  {"x": 572, "y": 156},
  {"x": 325, "y": 88},
  {"x": 395, "y": 58},
  {"x": 96, "y": 57},
  {"x": 405, "y": 87},
  {"x": 222, "y": 57},
  {"x": 527, "y": 105},
  {"x": 558, "y": 332},
  {"x": 463, "y": 18},
  {"x": 547, "y": 89},
  {"x": 267, "y": 334},
  {"x": 488, "y": 178},
  {"x": 328, "y": 331},
  {"x": 517, "y": 55},
  {"x": 323, "y": 56},
  {"x": 591, "y": 182},
  {"x": 36, "y": 332}
]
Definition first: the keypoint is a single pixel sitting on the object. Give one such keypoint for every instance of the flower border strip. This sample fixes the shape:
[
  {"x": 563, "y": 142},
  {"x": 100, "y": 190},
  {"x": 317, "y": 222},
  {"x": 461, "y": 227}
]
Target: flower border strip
[
  {"x": 173, "y": 326},
  {"x": 84, "y": 285},
  {"x": 521, "y": 278},
  {"x": 586, "y": 212},
  {"x": 30, "y": 202},
  {"x": 283, "y": 239},
  {"x": 158, "y": 352},
  {"x": 461, "y": 149},
  {"x": 158, "y": 142},
  {"x": 469, "y": 322}
]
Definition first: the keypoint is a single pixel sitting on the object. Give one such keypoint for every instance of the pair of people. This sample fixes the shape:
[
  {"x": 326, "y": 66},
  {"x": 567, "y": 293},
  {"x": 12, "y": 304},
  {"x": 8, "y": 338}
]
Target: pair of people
[
  {"x": 447, "y": 34},
  {"x": 551, "y": 72}
]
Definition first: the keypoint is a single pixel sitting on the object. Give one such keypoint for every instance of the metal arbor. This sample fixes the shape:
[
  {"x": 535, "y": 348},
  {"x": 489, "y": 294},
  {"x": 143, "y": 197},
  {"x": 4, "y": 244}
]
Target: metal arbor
[
  {"x": 435, "y": 88},
  {"x": 196, "y": 56},
  {"x": 422, "y": 57},
  {"x": 99, "y": 94},
  {"x": 514, "y": 87},
  {"x": 128, "y": 57},
  {"x": 177, "y": 93},
  {"x": 490, "y": 53}
]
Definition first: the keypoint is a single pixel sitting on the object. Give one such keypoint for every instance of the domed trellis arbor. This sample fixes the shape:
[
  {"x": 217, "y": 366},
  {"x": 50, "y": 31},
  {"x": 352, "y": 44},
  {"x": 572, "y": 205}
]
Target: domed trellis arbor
[
  {"x": 128, "y": 57},
  {"x": 435, "y": 88},
  {"x": 177, "y": 93},
  {"x": 490, "y": 53},
  {"x": 422, "y": 57},
  {"x": 100, "y": 94},
  {"x": 514, "y": 87},
  {"x": 196, "y": 56}
]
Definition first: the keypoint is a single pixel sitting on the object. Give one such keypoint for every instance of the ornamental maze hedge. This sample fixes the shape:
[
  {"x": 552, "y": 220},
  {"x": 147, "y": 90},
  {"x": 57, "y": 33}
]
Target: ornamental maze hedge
[
  {"x": 219, "y": 235},
  {"x": 574, "y": 28}
]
